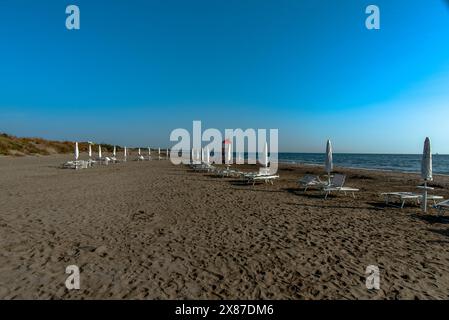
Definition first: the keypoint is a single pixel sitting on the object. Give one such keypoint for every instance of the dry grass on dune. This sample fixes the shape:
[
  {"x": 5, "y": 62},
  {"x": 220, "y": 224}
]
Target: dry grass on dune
[{"x": 15, "y": 146}]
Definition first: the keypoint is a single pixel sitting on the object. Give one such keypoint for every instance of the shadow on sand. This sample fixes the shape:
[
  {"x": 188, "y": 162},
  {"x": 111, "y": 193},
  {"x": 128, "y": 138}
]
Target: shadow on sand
[{"x": 431, "y": 218}]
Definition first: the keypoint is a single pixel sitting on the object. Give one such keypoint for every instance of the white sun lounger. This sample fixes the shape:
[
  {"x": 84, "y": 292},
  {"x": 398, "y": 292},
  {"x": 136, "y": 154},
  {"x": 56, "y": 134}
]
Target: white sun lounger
[
  {"x": 78, "y": 164},
  {"x": 444, "y": 205},
  {"x": 102, "y": 160},
  {"x": 404, "y": 196},
  {"x": 226, "y": 172},
  {"x": 311, "y": 181},
  {"x": 337, "y": 184},
  {"x": 203, "y": 167},
  {"x": 255, "y": 177}
]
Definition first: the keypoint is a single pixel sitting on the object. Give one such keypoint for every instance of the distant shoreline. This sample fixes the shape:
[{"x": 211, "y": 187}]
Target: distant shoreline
[{"x": 314, "y": 165}]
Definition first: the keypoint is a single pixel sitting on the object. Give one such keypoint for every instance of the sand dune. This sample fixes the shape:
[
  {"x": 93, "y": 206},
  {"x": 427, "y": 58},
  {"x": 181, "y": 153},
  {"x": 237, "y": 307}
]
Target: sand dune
[{"x": 151, "y": 230}]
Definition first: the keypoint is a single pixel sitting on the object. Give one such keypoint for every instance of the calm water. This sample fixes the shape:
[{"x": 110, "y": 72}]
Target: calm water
[{"x": 393, "y": 162}]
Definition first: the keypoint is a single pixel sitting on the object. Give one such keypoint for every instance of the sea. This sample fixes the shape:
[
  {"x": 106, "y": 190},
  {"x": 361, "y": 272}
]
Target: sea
[{"x": 388, "y": 162}]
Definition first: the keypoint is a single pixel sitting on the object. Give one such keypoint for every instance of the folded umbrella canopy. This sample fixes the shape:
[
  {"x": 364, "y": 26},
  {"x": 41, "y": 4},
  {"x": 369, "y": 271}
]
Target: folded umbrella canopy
[
  {"x": 265, "y": 156},
  {"x": 426, "y": 170},
  {"x": 90, "y": 150},
  {"x": 329, "y": 165},
  {"x": 77, "y": 151},
  {"x": 207, "y": 155},
  {"x": 229, "y": 155}
]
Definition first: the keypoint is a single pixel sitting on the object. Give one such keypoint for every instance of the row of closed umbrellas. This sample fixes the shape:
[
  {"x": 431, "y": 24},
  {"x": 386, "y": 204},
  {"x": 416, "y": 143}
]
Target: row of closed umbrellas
[
  {"x": 203, "y": 155},
  {"x": 114, "y": 152}
]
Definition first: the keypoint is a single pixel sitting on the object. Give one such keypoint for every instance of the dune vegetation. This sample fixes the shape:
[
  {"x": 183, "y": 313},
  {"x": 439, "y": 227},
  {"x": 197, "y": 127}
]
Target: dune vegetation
[{"x": 16, "y": 146}]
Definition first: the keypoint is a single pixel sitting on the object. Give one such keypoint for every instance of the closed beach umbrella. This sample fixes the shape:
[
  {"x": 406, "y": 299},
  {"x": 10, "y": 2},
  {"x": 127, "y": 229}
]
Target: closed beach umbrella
[
  {"x": 90, "y": 150},
  {"x": 329, "y": 161},
  {"x": 202, "y": 155},
  {"x": 149, "y": 152},
  {"x": 229, "y": 154},
  {"x": 207, "y": 155},
  {"x": 99, "y": 151},
  {"x": 166, "y": 153},
  {"x": 426, "y": 165},
  {"x": 265, "y": 155},
  {"x": 77, "y": 151},
  {"x": 139, "y": 151},
  {"x": 159, "y": 152},
  {"x": 114, "y": 153},
  {"x": 426, "y": 169},
  {"x": 125, "y": 152}
]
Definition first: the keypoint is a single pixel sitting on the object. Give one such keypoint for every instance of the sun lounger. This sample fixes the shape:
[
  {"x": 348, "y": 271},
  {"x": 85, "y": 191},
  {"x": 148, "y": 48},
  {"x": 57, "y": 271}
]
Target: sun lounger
[
  {"x": 444, "y": 205},
  {"x": 228, "y": 172},
  {"x": 253, "y": 177},
  {"x": 102, "y": 160},
  {"x": 263, "y": 177},
  {"x": 337, "y": 184},
  {"x": 404, "y": 196},
  {"x": 203, "y": 167},
  {"x": 78, "y": 164},
  {"x": 311, "y": 181}
]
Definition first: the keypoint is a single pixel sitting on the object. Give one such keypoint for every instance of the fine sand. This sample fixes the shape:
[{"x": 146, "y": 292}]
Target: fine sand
[{"x": 152, "y": 230}]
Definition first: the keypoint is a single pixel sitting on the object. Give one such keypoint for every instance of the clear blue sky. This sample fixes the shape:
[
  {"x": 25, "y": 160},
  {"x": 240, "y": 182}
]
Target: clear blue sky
[{"x": 139, "y": 69}]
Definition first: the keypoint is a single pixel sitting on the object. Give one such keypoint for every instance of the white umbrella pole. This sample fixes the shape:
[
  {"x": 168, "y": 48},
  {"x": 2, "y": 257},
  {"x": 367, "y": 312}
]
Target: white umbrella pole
[{"x": 425, "y": 196}]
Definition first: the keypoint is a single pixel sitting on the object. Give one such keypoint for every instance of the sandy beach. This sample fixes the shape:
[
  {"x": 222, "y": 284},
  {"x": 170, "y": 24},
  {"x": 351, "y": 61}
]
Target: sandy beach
[{"x": 152, "y": 230}]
